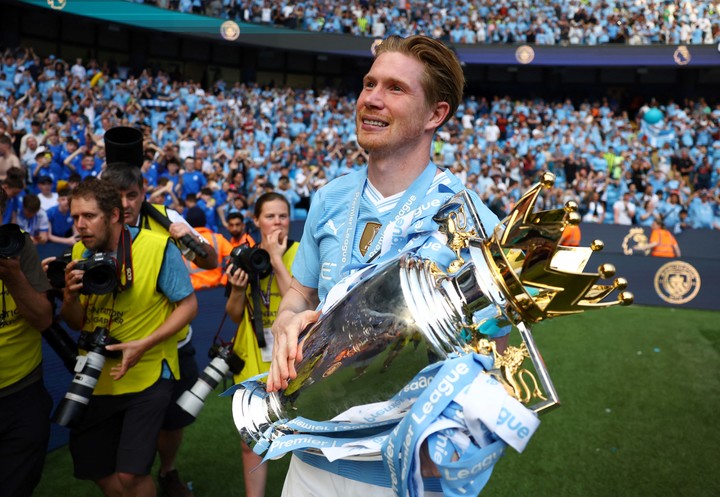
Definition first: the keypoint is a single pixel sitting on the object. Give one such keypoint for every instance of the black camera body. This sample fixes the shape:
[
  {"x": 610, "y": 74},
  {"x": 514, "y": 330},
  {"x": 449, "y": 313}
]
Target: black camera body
[
  {"x": 87, "y": 371},
  {"x": 12, "y": 240},
  {"x": 223, "y": 361},
  {"x": 225, "y": 352},
  {"x": 96, "y": 342},
  {"x": 100, "y": 276},
  {"x": 253, "y": 260}
]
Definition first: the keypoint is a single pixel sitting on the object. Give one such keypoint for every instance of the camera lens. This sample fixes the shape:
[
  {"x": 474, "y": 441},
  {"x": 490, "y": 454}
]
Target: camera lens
[
  {"x": 193, "y": 400},
  {"x": 73, "y": 405},
  {"x": 12, "y": 240},
  {"x": 259, "y": 260},
  {"x": 254, "y": 261},
  {"x": 100, "y": 279}
]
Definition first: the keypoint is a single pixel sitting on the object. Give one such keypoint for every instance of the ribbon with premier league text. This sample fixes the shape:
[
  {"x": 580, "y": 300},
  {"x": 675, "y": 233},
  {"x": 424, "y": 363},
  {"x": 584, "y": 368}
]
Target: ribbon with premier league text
[{"x": 465, "y": 418}]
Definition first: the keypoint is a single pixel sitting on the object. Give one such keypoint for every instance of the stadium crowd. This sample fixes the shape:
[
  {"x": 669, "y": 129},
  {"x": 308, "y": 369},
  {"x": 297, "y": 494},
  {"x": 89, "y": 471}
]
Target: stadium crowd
[
  {"x": 220, "y": 148},
  {"x": 554, "y": 22}
]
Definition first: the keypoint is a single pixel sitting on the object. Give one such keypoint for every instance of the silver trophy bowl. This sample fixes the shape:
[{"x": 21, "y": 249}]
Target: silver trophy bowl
[{"x": 408, "y": 313}]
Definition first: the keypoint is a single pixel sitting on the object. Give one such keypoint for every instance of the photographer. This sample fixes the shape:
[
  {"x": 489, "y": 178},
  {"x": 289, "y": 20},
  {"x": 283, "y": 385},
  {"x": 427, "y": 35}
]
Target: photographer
[
  {"x": 128, "y": 180},
  {"x": 24, "y": 403},
  {"x": 272, "y": 216},
  {"x": 114, "y": 444}
]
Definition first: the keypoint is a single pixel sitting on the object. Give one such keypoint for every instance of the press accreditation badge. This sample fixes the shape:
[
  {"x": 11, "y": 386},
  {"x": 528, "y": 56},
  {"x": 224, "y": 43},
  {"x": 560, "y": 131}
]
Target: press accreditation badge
[{"x": 267, "y": 350}]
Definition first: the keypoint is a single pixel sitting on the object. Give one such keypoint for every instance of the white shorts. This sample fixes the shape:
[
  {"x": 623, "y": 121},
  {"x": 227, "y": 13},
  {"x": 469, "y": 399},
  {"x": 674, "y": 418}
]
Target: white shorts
[{"x": 304, "y": 480}]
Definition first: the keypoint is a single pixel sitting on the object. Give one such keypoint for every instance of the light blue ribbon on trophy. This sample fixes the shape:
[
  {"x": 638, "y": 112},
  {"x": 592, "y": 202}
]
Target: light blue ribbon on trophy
[
  {"x": 362, "y": 421},
  {"x": 489, "y": 415},
  {"x": 466, "y": 417}
]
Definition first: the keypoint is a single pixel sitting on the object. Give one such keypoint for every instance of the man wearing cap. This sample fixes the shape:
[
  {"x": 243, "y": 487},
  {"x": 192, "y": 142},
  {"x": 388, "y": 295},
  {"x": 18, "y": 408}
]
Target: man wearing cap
[
  {"x": 42, "y": 167},
  {"x": 48, "y": 197}
]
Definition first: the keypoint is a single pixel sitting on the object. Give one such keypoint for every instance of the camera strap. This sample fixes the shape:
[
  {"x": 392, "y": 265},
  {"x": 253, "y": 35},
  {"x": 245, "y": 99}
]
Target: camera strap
[
  {"x": 257, "y": 311},
  {"x": 3, "y": 313},
  {"x": 124, "y": 259}
]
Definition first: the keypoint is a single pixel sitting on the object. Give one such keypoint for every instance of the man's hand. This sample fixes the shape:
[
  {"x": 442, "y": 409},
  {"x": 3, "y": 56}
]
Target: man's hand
[
  {"x": 73, "y": 282},
  {"x": 132, "y": 352},
  {"x": 46, "y": 262},
  {"x": 286, "y": 351},
  {"x": 179, "y": 230}
]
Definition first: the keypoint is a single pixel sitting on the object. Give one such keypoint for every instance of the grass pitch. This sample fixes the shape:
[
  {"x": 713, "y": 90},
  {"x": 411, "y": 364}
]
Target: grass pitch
[{"x": 640, "y": 393}]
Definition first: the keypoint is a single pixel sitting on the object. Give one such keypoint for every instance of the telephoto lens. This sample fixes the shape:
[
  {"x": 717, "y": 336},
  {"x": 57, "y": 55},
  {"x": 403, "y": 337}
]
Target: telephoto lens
[
  {"x": 87, "y": 371},
  {"x": 224, "y": 360}
]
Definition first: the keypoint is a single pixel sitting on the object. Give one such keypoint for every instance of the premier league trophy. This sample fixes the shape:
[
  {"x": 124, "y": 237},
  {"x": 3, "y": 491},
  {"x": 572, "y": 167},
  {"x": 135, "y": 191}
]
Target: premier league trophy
[{"x": 408, "y": 313}]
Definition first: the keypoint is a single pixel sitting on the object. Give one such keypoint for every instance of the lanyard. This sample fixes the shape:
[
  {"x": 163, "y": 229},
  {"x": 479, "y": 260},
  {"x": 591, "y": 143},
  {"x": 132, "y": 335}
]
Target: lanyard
[{"x": 412, "y": 196}]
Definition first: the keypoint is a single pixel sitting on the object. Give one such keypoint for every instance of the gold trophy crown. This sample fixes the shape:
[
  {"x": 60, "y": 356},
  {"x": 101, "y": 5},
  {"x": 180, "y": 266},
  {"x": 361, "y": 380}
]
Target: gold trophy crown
[{"x": 541, "y": 278}]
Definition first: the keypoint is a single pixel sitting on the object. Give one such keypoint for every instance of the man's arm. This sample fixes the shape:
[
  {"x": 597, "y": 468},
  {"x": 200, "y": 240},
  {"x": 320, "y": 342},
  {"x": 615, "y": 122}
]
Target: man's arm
[
  {"x": 180, "y": 228},
  {"x": 296, "y": 312},
  {"x": 32, "y": 305},
  {"x": 133, "y": 351},
  {"x": 210, "y": 261},
  {"x": 68, "y": 161}
]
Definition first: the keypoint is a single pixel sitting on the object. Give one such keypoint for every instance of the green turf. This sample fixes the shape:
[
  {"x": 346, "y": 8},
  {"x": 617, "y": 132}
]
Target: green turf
[{"x": 640, "y": 391}]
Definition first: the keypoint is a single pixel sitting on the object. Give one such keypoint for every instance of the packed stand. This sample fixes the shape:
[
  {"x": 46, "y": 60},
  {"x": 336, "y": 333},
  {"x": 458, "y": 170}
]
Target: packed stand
[
  {"x": 220, "y": 148},
  {"x": 555, "y": 22}
]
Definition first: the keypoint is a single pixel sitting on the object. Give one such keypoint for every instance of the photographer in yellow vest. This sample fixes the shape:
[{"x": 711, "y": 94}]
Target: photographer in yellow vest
[
  {"x": 253, "y": 304},
  {"x": 24, "y": 403},
  {"x": 127, "y": 178},
  {"x": 114, "y": 443}
]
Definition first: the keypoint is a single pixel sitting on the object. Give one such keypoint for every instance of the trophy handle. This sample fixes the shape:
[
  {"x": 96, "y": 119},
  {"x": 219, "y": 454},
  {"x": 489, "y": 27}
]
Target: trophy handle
[{"x": 543, "y": 376}]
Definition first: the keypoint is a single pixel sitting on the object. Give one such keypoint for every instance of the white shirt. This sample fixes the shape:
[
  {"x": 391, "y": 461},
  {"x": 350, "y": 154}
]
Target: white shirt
[{"x": 47, "y": 202}]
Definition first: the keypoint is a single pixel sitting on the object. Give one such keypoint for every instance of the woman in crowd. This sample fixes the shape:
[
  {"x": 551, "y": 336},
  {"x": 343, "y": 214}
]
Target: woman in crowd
[{"x": 272, "y": 217}]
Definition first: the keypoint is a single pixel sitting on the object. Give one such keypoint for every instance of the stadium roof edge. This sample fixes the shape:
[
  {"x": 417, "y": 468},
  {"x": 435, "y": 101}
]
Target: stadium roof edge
[{"x": 154, "y": 18}]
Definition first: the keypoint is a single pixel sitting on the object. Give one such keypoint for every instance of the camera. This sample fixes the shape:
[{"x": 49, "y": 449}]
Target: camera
[
  {"x": 12, "y": 240},
  {"x": 223, "y": 360},
  {"x": 100, "y": 276},
  {"x": 87, "y": 371},
  {"x": 253, "y": 260}
]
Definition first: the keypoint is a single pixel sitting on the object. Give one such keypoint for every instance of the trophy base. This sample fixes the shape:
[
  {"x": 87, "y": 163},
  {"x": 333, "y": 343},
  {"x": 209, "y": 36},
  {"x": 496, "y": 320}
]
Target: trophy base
[{"x": 254, "y": 412}]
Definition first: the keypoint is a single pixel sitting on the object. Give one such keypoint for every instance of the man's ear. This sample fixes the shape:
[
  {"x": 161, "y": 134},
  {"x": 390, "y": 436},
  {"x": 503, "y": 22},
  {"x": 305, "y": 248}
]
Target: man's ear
[
  {"x": 116, "y": 215},
  {"x": 439, "y": 113}
]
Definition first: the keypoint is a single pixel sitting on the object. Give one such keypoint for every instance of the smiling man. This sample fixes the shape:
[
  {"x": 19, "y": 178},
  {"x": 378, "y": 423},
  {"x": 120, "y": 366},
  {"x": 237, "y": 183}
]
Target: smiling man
[{"x": 413, "y": 87}]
